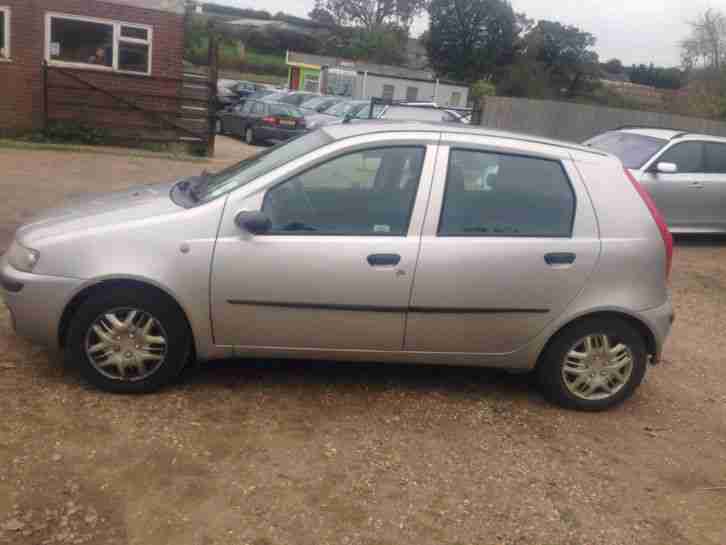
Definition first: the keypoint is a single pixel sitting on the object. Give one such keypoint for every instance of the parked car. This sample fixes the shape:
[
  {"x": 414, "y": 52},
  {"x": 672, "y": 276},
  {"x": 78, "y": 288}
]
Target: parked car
[
  {"x": 320, "y": 104},
  {"x": 246, "y": 88},
  {"x": 366, "y": 243},
  {"x": 685, "y": 173},
  {"x": 337, "y": 114},
  {"x": 260, "y": 121},
  {"x": 226, "y": 94},
  {"x": 417, "y": 113}
]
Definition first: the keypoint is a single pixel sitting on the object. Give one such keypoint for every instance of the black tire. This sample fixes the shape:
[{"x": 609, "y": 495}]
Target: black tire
[
  {"x": 552, "y": 361},
  {"x": 220, "y": 127},
  {"x": 249, "y": 137},
  {"x": 161, "y": 307}
]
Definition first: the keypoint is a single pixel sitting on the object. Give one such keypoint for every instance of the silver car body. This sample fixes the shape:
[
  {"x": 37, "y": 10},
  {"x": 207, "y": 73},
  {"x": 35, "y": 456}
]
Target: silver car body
[
  {"x": 488, "y": 301},
  {"x": 692, "y": 200}
]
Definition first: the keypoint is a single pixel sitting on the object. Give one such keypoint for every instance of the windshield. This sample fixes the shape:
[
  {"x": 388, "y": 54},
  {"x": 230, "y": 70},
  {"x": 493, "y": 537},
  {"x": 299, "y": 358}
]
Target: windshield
[
  {"x": 250, "y": 169},
  {"x": 275, "y": 97},
  {"x": 342, "y": 108},
  {"x": 633, "y": 150}
]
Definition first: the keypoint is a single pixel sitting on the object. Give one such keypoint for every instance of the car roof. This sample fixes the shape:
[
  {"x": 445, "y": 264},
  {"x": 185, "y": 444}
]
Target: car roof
[
  {"x": 359, "y": 128},
  {"x": 671, "y": 134}
]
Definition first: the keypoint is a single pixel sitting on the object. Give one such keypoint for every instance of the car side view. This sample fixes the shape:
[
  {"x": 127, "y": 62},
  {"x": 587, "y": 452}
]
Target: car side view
[
  {"x": 684, "y": 172},
  {"x": 259, "y": 121},
  {"x": 379, "y": 241}
]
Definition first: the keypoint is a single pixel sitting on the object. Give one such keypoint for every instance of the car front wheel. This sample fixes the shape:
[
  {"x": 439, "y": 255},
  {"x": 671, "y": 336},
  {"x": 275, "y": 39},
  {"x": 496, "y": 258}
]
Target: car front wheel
[
  {"x": 593, "y": 365},
  {"x": 128, "y": 340},
  {"x": 250, "y": 136}
]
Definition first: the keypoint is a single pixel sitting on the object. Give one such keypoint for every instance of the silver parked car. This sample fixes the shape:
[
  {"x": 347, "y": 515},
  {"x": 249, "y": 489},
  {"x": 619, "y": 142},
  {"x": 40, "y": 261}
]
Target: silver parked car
[
  {"x": 382, "y": 241},
  {"x": 684, "y": 172}
]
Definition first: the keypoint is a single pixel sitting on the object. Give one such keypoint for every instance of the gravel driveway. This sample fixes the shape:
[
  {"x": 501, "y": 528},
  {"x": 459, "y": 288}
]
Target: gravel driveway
[{"x": 273, "y": 453}]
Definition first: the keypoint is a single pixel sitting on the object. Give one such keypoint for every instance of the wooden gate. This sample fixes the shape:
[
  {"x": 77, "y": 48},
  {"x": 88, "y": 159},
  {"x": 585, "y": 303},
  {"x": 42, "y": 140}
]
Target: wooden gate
[{"x": 131, "y": 109}]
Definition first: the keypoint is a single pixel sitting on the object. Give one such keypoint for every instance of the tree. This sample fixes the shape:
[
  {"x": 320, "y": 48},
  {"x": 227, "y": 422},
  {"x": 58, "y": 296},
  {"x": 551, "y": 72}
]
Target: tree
[
  {"x": 614, "y": 66},
  {"x": 707, "y": 43},
  {"x": 566, "y": 54},
  {"x": 372, "y": 15},
  {"x": 471, "y": 39}
]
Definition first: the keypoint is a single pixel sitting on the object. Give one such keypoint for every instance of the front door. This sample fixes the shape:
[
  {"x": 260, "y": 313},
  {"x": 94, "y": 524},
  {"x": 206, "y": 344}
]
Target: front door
[
  {"x": 680, "y": 196},
  {"x": 714, "y": 185},
  {"x": 335, "y": 270},
  {"x": 509, "y": 242}
]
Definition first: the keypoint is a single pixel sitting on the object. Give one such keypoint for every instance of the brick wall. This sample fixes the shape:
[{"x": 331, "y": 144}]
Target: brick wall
[{"x": 21, "y": 101}]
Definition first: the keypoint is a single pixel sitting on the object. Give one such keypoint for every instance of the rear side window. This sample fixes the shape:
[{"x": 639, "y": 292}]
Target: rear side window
[
  {"x": 716, "y": 158},
  {"x": 688, "y": 157},
  {"x": 498, "y": 195}
]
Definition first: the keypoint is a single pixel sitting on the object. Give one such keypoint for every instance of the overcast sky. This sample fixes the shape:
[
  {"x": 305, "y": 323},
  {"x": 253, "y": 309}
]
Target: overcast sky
[{"x": 635, "y": 31}]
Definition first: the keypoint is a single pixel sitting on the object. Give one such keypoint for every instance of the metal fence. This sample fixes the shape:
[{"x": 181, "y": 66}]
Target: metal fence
[{"x": 578, "y": 122}]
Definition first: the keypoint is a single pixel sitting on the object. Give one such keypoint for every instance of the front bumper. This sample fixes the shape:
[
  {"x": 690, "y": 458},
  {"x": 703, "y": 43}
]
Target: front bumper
[
  {"x": 660, "y": 321},
  {"x": 36, "y": 302}
]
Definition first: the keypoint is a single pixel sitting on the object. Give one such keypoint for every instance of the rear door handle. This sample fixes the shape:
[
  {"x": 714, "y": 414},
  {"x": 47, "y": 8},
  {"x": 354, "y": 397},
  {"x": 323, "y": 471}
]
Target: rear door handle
[
  {"x": 696, "y": 185},
  {"x": 384, "y": 260},
  {"x": 563, "y": 258}
]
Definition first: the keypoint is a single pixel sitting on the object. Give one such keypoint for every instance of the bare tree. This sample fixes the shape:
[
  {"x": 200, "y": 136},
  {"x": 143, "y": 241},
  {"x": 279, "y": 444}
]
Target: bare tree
[
  {"x": 707, "y": 43},
  {"x": 369, "y": 14}
]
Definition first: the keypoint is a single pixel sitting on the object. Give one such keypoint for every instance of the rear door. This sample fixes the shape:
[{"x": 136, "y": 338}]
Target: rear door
[
  {"x": 680, "y": 197},
  {"x": 509, "y": 241},
  {"x": 714, "y": 181}
]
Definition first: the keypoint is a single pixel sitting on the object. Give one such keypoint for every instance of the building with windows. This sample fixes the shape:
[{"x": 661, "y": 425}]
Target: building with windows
[
  {"x": 118, "y": 46},
  {"x": 341, "y": 77}
]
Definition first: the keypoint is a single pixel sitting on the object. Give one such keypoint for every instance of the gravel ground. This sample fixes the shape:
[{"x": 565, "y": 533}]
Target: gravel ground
[{"x": 272, "y": 453}]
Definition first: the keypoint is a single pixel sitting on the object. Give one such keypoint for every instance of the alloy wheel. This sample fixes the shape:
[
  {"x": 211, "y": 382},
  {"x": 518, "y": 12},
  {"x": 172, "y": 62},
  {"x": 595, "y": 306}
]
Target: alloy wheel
[
  {"x": 126, "y": 344},
  {"x": 597, "y": 367}
]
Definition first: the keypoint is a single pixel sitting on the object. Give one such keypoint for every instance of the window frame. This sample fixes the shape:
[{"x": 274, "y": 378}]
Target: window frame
[
  {"x": 344, "y": 153},
  {"x": 8, "y": 14},
  {"x": 559, "y": 162},
  {"x": 117, "y": 41}
]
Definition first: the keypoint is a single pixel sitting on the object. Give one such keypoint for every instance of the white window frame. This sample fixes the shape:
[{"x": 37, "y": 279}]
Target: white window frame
[
  {"x": 8, "y": 14},
  {"x": 117, "y": 40}
]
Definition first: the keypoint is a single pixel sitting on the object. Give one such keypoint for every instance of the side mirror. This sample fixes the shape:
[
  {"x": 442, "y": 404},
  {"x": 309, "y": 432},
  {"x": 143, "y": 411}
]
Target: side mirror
[
  {"x": 666, "y": 168},
  {"x": 255, "y": 222}
]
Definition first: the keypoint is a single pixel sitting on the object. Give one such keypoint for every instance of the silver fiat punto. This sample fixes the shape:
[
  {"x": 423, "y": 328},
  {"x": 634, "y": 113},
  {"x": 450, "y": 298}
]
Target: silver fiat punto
[{"x": 375, "y": 241}]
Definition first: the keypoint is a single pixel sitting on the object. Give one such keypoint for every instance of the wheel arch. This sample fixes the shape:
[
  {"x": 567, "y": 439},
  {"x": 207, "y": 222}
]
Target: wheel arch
[
  {"x": 89, "y": 290},
  {"x": 639, "y": 325}
]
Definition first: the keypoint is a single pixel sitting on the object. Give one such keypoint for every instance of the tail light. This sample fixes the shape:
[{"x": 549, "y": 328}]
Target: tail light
[
  {"x": 659, "y": 221},
  {"x": 269, "y": 120}
]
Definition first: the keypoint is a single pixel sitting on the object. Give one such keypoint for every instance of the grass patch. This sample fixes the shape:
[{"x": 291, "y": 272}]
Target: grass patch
[{"x": 8, "y": 143}]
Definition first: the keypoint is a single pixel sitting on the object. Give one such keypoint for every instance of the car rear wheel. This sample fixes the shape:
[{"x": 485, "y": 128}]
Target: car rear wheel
[
  {"x": 129, "y": 341},
  {"x": 593, "y": 365},
  {"x": 250, "y": 136},
  {"x": 220, "y": 127}
]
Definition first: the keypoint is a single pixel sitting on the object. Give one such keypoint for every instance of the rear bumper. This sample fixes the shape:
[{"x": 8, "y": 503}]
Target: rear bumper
[
  {"x": 660, "y": 321},
  {"x": 274, "y": 133},
  {"x": 36, "y": 302}
]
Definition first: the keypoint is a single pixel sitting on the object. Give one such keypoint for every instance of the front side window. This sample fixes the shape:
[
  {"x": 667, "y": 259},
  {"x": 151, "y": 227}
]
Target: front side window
[
  {"x": 688, "y": 157},
  {"x": 4, "y": 33},
  {"x": 498, "y": 195},
  {"x": 109, "y": 44},
  {"x": 364, "y": 193},
  {"x": 716, "y": 158}
]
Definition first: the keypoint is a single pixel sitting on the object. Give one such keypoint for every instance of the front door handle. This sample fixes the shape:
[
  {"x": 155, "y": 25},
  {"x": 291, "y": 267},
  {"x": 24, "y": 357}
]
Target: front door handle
[
  {"x": 696, "y": 185},
  {"x": 384, "y": 260},
  {"x": 563, "y": 258}
]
